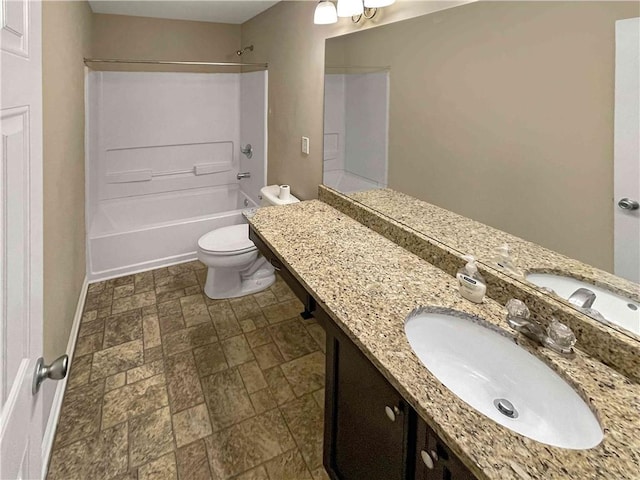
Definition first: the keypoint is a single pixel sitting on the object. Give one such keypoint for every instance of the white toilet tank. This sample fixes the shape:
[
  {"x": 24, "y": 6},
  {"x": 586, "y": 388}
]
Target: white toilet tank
[{"x": 277, "y": 195}]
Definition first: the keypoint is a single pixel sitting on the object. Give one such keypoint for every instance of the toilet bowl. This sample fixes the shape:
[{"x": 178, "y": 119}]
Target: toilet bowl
[{"x": 235, "y": 267}]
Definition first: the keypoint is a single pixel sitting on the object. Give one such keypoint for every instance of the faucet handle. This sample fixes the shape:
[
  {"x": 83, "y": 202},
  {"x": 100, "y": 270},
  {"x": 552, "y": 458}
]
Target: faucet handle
[
  {"x": 560, "y": 334},
  {"x": 582, "y": 298},
  {"x": 517, "y": 314},
  {"x": 517, "y": 309}
]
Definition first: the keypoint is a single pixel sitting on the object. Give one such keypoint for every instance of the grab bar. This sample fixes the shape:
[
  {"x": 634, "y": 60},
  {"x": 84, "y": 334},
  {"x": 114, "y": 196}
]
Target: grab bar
[{"x": 146, "y": 175}]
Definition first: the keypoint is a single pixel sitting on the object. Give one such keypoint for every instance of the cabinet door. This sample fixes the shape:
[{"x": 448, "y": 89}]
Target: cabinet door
[
  {"x": 441, "y": 463},
  {"x": 366, "y": 421}
]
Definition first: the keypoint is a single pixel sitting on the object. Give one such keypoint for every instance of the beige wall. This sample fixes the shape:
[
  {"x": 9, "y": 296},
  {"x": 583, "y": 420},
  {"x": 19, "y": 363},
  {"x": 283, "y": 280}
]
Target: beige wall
[
  {"x": 141, "y": 38},
  {"x": 66, "y": 28},
  {"x": 70, "y": 32},
  {"x": 285, "y": 37},
  {"x": 503, "y": 112}
]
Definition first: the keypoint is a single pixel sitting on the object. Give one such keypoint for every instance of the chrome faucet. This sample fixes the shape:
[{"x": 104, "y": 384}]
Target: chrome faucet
[
  {"x": 242, "y": 175},
  {"x": 582, "y": 298},
  {"x": 557, "y": 336}
]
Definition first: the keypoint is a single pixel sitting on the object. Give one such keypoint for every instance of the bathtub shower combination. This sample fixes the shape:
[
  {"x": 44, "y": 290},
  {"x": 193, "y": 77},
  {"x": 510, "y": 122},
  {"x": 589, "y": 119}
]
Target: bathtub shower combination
[
  {"x": 165, "y": 151},
  {"x": 356, "y": 125}
]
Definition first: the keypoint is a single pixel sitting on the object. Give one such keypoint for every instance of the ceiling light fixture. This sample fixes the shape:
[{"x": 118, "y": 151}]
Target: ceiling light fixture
[
  {"x": 325, "y": 13},
  {"x": 377, "y": 3},
  {"x": 370, "y": 8},
  {"x": 350, "y": 8}
]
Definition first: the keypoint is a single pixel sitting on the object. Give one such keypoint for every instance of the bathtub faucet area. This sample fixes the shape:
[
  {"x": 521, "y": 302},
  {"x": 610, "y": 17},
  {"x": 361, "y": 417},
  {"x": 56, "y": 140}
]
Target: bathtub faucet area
[{"x": 155, "y": 187}]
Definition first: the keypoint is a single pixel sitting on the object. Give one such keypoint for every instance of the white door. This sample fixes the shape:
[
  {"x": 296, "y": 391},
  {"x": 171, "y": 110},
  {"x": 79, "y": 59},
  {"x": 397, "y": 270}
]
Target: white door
[
  {"x": 20, "y": 238},
  {"x": 626, "y": 189}
]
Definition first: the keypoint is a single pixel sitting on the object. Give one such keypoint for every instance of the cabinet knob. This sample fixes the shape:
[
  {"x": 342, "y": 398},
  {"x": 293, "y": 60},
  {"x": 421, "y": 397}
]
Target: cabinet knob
[
  {"x": 426, "y": 458},
  {"x": 392, "y": 412}
]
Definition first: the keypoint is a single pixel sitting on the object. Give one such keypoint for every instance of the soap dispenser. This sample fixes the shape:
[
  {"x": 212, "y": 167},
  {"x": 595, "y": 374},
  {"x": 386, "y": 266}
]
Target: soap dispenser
[
  {"x": 502, "y": 258},
  {"x": 470, "y": 283}
]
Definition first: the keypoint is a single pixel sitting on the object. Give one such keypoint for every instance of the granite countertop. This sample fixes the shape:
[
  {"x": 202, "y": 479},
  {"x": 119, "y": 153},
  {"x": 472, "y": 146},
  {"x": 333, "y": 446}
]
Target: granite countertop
[
  {"x": 480, "y": 240},
  {"x": 368, "y": 285}
]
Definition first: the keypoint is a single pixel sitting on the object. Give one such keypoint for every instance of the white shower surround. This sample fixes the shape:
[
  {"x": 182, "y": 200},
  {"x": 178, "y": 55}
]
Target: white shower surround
[
  {"x": 348, "y": 182},
  {"x": 356, "y": 126},
  {"x": 163, "y": 154}
]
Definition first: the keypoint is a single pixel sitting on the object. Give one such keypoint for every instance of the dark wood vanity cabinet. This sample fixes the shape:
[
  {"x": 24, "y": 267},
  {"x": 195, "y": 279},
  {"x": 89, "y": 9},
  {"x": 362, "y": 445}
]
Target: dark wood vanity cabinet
[
  {"x": 434, "y": 460},
  {"x": 370, "y": 431},
  {"x": 367, "y": 423}
]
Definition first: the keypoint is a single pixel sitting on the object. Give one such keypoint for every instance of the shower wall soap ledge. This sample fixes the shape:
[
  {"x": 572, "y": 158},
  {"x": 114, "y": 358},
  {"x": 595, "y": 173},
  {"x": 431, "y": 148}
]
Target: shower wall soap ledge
[{"x": 130, "y": 176}]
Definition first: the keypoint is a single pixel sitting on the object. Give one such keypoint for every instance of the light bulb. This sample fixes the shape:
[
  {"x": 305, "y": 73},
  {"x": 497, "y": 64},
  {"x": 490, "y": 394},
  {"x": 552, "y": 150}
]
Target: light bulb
[
  {"x": 349, "y": 8},
  {"x": 325, "y": 13},
  {"x": 378, "y": 3}
]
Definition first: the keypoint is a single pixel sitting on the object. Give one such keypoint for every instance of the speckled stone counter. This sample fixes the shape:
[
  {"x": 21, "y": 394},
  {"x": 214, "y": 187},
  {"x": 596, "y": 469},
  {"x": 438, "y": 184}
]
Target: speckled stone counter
[
  {"x": 368, "y": 285},
  {"x": 610, "y": 345},
  {"x": 480, "y": 240}
]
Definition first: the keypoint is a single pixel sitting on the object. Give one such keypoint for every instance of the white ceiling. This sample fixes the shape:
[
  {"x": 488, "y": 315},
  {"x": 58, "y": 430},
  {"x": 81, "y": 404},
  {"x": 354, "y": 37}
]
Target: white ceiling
[{"x": 221, "y": 11}]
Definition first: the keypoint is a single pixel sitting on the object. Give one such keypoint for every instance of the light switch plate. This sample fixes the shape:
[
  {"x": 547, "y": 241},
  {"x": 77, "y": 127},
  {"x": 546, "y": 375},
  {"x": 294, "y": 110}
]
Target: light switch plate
[{"x": 305, "y": 145}]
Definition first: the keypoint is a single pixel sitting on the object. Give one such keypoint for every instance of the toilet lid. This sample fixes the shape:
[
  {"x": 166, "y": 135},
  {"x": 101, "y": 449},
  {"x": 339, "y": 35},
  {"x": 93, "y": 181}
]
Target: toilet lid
[{"x": 233, "y": 239}]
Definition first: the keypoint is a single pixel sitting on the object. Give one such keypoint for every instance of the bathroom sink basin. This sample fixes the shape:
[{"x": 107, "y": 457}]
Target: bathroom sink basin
[
  {"x": 614, "y": 308},
  {"x": 501, "y": 380}
]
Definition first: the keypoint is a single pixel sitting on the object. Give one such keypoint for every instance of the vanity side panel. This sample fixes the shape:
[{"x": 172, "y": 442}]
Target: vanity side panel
[{"x": 306, "y": 299}]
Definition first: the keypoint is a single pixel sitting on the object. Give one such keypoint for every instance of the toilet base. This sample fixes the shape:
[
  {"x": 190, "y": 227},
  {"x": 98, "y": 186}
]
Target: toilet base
[
  {"x": 255, "y": 285},
  {"x": 229, "y": 283}
]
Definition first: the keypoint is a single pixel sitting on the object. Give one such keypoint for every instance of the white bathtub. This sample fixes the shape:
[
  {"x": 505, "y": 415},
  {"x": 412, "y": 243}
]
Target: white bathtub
[
  {"x": 347, "y": 182},
  {"x": 133, "y": 234}
]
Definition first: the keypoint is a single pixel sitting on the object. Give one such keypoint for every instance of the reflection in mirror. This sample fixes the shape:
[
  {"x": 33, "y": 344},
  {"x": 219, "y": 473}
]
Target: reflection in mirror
[
  {"x": 356, "y": 120},
  {"x": 503, "y": 112}
]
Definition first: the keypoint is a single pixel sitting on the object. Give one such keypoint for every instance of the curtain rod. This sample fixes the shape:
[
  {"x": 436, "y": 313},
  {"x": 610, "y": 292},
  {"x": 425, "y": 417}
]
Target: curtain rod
[{"x": 167, "y": 62}]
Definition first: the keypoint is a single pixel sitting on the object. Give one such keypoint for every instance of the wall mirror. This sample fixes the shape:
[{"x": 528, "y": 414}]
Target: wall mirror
[
  {"x": 502, "y": 113},
  {"x": 356, "y": 127}
]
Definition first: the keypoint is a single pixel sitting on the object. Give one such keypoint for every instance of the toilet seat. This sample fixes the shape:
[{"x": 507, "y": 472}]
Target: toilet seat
[
  {"x": 235, "y": 267},
  {"x": 233, "y": 240}
]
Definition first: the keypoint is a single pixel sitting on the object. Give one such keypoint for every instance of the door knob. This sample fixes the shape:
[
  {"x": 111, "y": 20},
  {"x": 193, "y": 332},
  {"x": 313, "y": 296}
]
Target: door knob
[
  {"x": 56, "y": 371},
  {"x": 627, "y": 204},
  {"x": 248, "y": 150}
]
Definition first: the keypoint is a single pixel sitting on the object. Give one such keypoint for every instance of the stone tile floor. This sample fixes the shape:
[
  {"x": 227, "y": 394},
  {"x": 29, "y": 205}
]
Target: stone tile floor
[{"x": 166, "y": 383}]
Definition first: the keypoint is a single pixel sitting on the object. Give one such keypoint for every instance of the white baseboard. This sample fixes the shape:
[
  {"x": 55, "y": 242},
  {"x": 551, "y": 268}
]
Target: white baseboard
[
  {"x": 141, "y": 267},
  {"x": 56, "y": 406}
]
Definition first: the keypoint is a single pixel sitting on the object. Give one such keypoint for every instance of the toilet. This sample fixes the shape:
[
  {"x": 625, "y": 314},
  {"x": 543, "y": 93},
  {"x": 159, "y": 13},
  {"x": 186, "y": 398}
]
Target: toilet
[{"x": 235, "y": 267}]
